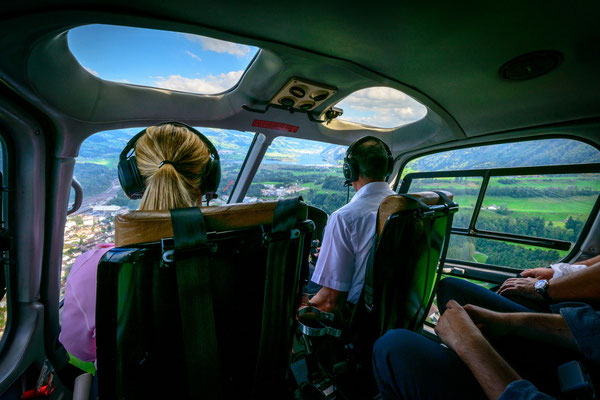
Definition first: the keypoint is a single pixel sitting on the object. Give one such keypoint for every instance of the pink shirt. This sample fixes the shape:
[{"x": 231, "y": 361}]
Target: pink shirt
[{"x": 78, "y": 332}]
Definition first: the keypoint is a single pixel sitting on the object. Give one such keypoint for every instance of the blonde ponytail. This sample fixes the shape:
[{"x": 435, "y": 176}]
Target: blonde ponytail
[{"x": 177, "y": 182}]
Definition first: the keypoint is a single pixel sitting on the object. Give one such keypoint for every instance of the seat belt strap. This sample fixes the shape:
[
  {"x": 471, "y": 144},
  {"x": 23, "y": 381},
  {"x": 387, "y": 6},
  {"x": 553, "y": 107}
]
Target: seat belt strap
[
  {"x": 196, "y": 305},
  {"x": 277, "y": 304},
  {"x": 285, "y": 214}
]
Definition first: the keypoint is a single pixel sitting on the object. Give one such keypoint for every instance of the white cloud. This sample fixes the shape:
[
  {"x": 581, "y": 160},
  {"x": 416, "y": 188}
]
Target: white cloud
[
  {"x": 219, "y": 46},
  {"x": 91, "y": 71},
  {"x": 209, "y": 84},
  {"x": 381, "y": 107},
  {"x": 123, "y": 80},
  {"x": 189, "y": 53}
]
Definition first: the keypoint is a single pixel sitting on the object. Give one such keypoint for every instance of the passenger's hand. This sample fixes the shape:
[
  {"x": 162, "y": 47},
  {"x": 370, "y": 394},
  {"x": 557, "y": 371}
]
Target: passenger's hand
[
  {"x": 538, "y": 273},
  {"x": 521, "y": 287},
  {"x": 456, "y": 329},
  {"x": 491, "y": 323}
]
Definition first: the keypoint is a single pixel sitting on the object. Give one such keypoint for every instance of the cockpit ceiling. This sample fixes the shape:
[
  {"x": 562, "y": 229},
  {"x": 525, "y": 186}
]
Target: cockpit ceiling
[{"x": 445, "y": 56}]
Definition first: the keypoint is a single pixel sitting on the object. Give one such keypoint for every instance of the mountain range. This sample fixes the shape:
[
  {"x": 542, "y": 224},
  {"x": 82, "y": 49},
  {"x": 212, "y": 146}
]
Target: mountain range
[{"x": 105, "y": 147}]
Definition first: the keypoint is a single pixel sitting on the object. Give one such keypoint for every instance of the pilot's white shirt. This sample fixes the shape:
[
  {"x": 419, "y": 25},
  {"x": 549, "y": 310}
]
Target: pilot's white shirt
[{"x": 348, "y": 240}]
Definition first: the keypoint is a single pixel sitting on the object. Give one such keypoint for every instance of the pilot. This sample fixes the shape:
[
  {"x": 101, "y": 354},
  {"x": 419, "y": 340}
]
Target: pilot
[
  {"x": 350, "y": 232},
  {"x": 171, "y": 161}
]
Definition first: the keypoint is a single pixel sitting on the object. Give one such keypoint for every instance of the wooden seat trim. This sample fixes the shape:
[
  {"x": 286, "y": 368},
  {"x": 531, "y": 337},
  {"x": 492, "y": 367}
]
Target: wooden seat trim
[
  {"x": 151, "y": 226},
  {"x": 395, "y": 203}
]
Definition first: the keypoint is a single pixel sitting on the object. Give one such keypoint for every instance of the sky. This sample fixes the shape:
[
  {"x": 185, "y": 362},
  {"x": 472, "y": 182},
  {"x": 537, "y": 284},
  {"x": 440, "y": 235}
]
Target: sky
[{"x": 199, "y": 64}]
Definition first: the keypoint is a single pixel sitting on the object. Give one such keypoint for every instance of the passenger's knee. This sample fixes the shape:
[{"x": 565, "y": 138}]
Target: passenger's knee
[
  {"x": 449, "y": 284},
  {"x": 394, "y": 342},
  {"x": 448, "y": 289}
]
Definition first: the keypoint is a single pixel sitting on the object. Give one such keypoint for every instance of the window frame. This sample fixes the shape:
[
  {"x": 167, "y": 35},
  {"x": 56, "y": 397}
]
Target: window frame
[
  {"x": 471, "y": 270},
  {"x": 6, "y": 242}
]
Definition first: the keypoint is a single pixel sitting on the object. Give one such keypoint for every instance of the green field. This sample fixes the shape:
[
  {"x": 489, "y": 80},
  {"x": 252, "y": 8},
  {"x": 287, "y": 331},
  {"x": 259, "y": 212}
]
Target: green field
[
  {"x": 555, "y": 209},
  {"x": 110, "y": 163},
  {"x": 549, "y": 207}
]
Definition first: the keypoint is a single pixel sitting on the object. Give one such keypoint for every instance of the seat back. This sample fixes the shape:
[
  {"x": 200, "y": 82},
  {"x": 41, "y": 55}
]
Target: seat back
[
  {"x": 253, "y": 256},
  {"x": 319, "y": 218},
  {"x": 413, "y": 233}
]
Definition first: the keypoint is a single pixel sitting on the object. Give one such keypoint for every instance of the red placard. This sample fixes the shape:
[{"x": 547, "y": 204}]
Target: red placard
[{"x": 276, "y": 126}]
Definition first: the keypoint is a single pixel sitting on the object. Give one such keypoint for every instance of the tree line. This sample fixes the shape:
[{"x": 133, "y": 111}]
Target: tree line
[
  {"x": 512, "y": 255},
  {"x": 517, "y": 192}
]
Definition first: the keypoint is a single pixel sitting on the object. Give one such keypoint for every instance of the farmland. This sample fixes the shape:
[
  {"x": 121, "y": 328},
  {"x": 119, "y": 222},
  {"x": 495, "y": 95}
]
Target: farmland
[{"x": 540, "y": 206}]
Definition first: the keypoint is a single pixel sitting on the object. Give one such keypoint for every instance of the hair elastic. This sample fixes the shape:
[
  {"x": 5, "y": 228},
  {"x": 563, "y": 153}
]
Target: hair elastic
[{"x": 163, "y": 162}]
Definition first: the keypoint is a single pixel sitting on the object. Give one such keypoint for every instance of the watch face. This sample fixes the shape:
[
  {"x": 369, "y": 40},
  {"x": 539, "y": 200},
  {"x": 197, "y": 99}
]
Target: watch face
[{"x": 540, "y": 285}]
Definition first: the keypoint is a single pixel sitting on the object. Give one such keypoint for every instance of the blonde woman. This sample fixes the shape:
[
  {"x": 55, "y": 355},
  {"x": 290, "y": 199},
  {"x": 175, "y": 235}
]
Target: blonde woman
[{"x": 170, "y": 165}]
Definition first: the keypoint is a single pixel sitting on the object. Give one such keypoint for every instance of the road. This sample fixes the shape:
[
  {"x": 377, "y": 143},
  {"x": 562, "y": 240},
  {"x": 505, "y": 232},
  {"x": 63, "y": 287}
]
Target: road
[{"x": 99, "y": 199}]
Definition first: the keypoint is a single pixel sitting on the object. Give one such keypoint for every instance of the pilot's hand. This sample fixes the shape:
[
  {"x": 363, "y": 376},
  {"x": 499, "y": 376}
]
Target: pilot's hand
[
  {"x": 456, "y": 329},
  {"x": 304, "y": 300},
  {"x": 521, "y": 287},
  {"x": 315, "y": 249},
  {"x": 538, "y": 273}
]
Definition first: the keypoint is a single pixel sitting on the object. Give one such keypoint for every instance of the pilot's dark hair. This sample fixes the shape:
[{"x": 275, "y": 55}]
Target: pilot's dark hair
[{"x": 372, "y": 158}]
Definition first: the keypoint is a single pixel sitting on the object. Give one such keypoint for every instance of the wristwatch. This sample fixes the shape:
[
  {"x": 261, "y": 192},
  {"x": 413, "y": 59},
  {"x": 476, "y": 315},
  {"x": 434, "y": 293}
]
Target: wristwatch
[{"x": 541, "y": 287}]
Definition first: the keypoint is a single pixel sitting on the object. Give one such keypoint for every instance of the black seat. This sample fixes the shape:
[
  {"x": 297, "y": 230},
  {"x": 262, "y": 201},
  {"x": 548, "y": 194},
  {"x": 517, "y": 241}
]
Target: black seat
[
  {"x": 319, "y": 218},
  {"x": 413, "y": 233},
  {"x": 254, "y": 256}
]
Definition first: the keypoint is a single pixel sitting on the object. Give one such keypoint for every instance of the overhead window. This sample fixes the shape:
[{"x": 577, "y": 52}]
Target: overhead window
[
  {"x": 381, "y": 107},
  {"x": 161, "y": 59}
]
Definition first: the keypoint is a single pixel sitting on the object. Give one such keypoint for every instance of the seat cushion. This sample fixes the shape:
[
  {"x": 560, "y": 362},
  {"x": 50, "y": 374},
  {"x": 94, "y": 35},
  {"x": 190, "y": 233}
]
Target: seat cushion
[
  {"x": 395, "y": 203},
  {"x": 151, "y": 226}
]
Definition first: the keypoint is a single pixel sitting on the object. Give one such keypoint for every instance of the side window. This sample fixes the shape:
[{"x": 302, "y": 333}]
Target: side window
[
  {"x": 301, "y": 167},
  {"x": 522, "y": 205},
  {"x": 103, "y": 198}
]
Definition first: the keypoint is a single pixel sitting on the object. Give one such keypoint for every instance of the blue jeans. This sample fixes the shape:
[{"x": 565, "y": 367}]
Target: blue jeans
[
  {"x": 465, "y": 292},
  {"x": 407, "y": 365}
]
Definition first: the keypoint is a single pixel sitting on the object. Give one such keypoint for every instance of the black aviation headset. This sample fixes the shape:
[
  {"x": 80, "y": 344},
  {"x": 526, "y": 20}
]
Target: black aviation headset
[
  {"x": 351, "y": 169},
  {"x": 133, "y": 183}
]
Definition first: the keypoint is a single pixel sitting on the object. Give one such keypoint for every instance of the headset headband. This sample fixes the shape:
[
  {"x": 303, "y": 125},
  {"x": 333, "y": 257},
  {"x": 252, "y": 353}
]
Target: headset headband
[
  {"x": 131, "y": 144},
  {"x": 351, "y": 168},
  {"x": 366, "y": 139}
]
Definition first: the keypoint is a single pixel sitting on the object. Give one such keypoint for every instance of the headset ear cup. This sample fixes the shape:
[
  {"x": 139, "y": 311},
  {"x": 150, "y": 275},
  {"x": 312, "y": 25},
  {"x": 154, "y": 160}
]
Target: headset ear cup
[
  {"x": 212, "y": 177},
  {"x": 390, "y": 168},
  {"x": 347, "y": 170},
  {"x": 130, "y": 179},
  {"x": 351, "y": 171}
]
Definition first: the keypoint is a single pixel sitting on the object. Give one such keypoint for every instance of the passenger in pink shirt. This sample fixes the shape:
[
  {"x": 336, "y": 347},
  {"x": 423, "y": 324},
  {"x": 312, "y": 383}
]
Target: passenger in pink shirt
[
  {"x": 178, "y": 165},
  {"x": 78, "y": 332}
]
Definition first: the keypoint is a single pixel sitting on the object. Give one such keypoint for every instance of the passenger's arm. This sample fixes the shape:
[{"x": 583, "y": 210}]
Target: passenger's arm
[
  {"x": 459, "y": 333},
  {"x": 580, "y": 285},
  {"x": 548, "y": 273},
  {"x": 542, "y": 327},
  {"x": 589, "y": 262},
  {"x": 329, "y": 300}
]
